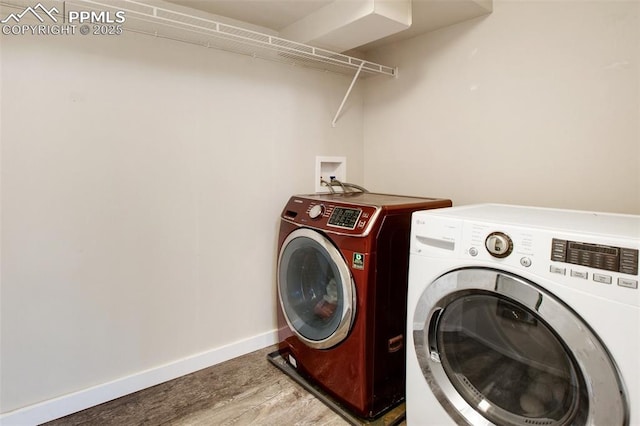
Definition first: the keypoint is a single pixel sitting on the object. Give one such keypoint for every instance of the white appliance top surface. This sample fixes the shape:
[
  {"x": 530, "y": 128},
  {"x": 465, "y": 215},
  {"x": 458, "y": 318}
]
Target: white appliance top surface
[{"x": 595, "y": 223}]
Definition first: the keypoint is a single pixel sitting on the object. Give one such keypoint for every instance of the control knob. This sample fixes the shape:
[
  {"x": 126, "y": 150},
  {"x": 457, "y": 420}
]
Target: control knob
[
  {"x": 499, "y": 244},
  {"x": 316, "y": 211}
]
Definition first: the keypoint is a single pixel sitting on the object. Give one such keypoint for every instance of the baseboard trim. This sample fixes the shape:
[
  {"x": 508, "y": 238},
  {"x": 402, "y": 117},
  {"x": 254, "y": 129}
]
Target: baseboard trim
[{"x": 77, "y": 401}]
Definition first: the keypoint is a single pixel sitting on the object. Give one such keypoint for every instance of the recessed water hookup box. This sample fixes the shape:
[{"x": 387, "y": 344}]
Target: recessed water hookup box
[{"x": 329, "y": 168}]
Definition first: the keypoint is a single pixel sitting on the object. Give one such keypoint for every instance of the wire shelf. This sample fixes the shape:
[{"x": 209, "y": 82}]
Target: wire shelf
[
  {"x": 152, "y": 20},
  {"x": 174, "y": 25}
]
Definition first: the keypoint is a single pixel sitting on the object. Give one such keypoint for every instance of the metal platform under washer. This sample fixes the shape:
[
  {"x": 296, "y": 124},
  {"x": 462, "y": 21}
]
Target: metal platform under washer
[{"x": 390, "y": 418}]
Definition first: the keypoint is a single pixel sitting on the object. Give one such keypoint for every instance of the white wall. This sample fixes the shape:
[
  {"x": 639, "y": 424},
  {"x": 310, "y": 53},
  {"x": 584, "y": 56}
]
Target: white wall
[
  {"x": 537, "y": 103},
  {"x": 142, "y": 181}
]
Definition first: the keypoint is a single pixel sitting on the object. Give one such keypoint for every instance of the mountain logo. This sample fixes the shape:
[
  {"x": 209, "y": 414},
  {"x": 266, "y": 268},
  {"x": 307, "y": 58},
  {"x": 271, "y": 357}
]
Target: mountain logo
[{"x": 38, "y": 11}]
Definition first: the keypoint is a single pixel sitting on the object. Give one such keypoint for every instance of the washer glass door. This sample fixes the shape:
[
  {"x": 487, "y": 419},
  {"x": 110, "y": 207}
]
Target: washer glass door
[
  {"x": 497, "y": 349},
  {"x": 315, "y": 288}
]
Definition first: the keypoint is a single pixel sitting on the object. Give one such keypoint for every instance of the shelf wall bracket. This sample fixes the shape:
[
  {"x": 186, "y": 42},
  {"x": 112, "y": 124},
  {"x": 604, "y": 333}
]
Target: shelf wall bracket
[{"x": 346, "y": 95}]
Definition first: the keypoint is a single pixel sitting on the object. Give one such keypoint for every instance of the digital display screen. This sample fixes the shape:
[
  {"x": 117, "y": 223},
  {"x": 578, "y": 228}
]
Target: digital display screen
[
  {"x": 607, "y": 258},
  {"x": 344, "y": 218}
]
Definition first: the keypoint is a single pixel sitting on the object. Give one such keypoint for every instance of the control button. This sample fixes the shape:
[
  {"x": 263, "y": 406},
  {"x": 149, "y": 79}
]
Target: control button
[
  {"x": 525, "y": 261},
  {"x": 558, "y": 270},
  {"x": 628, "y": 261},
  {"x": 600, "y": 278},
  {"x": 473, "y": 251},
  {"x": 316, "y": 211},
  {"x": 626, "y": 282},
  {"x": 558, "y": 250},
  {"x": 580, "y": 274},
  {"x": 499, "y": 244}
]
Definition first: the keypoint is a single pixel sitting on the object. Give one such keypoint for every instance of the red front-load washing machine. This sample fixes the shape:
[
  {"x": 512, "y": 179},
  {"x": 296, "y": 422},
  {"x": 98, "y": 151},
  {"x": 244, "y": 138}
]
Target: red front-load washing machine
[{"x": 342, "y": 288}]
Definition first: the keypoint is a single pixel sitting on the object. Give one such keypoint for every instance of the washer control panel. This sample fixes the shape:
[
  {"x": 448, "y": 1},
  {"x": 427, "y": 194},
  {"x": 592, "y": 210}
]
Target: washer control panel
[
  {"x": 596, "y": 253},
  {"x": 607, "y": 261},
  {"x": 329, "y": 215},
  {"x": 607, "y": 258}
]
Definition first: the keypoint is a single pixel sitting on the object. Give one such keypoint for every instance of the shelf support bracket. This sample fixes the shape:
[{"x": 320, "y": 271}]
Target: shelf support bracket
[{"x": 346, "y": 95}]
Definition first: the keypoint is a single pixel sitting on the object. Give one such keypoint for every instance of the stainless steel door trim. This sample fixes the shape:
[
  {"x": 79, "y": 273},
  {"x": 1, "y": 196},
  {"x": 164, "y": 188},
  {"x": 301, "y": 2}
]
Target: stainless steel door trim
[
  {"x": 607, "y": 399},
  {"x": 347, "y": 315}
]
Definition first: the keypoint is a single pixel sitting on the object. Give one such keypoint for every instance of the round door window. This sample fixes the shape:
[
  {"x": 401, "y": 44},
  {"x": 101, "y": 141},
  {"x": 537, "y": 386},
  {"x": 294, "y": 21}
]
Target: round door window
[
  {"x": 497, "y": 349},
  {"x": 506, "y": 361},
  {"x": 315, "y": 289}
]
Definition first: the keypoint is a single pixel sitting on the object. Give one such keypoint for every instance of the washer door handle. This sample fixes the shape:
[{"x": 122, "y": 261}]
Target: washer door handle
[
  {"x": 431, "y": 336},
  {"x": 395, "y": 343}
]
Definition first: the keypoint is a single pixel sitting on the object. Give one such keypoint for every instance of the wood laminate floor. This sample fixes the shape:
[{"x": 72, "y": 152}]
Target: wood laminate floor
[{"x": 247, "y": 390}]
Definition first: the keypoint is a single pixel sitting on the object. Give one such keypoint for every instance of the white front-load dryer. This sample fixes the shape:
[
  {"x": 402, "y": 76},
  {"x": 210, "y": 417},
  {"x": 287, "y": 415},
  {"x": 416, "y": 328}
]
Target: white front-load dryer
[{"x": 523, "y": 316}]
